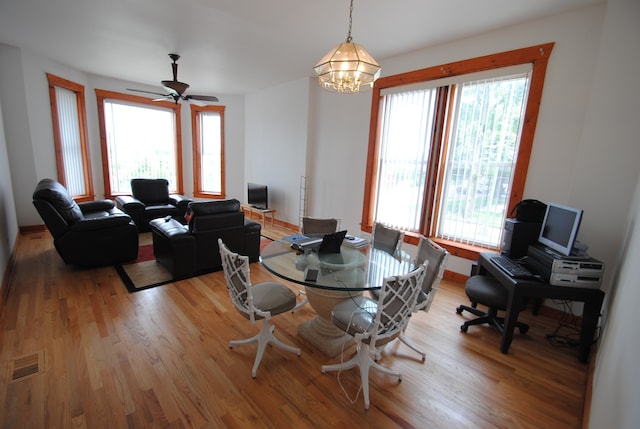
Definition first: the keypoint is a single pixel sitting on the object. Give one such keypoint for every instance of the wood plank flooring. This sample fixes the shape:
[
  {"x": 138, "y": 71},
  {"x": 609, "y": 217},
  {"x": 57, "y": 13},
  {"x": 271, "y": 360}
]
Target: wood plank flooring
[{"x": 85, "y": 353}]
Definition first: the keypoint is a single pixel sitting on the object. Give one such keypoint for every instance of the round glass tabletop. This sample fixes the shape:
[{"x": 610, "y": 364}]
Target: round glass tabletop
[{"x": 350, "y": 270}]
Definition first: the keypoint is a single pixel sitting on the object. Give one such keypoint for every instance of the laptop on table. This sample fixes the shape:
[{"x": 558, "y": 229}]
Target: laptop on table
[{"x": 329, "y": 244}]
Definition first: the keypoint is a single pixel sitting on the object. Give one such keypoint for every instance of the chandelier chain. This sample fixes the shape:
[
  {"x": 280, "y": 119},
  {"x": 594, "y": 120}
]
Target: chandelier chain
[{"x": 350, "y": 22}]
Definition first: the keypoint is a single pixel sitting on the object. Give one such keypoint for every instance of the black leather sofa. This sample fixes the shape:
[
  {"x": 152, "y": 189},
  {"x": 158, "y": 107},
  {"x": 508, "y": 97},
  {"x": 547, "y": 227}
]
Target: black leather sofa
[
  {"x": 89, "y": 234},
  {"x": 189, "y": 250},
  {"x": 150, "y": 199}
]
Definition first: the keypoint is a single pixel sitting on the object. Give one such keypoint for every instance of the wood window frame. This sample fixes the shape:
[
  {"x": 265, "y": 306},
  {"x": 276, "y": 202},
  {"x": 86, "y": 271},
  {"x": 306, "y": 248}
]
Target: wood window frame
[
  {"x": 101, "y": 96},
  {"x": 537, "y": 56},
  {"x": 197, "y": 156},
  {"x": 78, "y": 89}
]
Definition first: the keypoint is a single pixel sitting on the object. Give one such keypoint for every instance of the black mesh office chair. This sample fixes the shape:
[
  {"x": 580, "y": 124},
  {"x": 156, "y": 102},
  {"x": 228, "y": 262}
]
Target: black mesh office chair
[{"x": 487, "y": 291}]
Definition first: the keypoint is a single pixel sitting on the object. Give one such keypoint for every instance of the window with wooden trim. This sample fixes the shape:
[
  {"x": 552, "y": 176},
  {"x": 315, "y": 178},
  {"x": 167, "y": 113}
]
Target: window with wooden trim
[
  {"x": 449, "y": 147},
  {"x": 207, "y": 125},
  {"x": 139, "y": 138},
  {"x": 69, "y": 120}
]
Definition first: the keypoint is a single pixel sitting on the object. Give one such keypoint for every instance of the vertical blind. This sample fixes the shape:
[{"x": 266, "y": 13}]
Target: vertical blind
[
  {"x": 211, "y": 151},
  {"x": 70, "y": 142},
  {"x": 404, "y": 156},
  {"x": 486, "y": 112},
  {"x": 480, "y": 163}
]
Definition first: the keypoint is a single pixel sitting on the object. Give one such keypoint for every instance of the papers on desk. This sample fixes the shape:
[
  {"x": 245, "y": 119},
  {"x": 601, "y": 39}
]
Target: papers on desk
[
  {"x": 298, "y": 238},
  {"x": 303, "y": 242},
  {"x": 355, "y": 242}
]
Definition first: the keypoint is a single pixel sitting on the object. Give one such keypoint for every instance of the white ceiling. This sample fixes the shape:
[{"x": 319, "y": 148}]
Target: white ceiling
[{"x": 239, "y": 46}]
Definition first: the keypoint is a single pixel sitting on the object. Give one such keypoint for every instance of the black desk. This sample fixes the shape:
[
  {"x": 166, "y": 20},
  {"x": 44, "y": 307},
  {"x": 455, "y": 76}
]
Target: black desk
[{"x": 519, "y": 289}]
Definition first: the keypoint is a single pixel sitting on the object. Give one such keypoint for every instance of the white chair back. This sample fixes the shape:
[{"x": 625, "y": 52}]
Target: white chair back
[
  {"x": 236, "y": 273},
  {"x": 395, "y": 305}
]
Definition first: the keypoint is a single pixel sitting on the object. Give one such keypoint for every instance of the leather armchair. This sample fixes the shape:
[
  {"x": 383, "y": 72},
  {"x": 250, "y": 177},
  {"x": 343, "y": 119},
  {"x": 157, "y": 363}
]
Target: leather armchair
[
  {"x": 150, "y": 199},
  {"x": 189, "y": 250},
  {"x": 89, "y": 234}
]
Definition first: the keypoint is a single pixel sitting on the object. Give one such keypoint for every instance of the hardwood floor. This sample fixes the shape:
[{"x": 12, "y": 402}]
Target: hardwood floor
[{"x": 85, "y": 353}]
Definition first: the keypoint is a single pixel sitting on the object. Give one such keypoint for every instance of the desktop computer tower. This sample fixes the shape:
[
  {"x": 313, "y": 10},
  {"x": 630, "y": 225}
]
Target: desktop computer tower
[{"x": 517, "y": 236}]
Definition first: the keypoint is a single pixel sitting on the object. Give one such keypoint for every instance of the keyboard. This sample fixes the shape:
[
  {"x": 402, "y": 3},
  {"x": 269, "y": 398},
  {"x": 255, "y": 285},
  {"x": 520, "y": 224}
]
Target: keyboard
[{"x": 512, "y": 268}]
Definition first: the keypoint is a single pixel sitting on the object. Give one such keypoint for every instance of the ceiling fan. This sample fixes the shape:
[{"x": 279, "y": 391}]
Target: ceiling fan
[{"x": 176, "y": 88}]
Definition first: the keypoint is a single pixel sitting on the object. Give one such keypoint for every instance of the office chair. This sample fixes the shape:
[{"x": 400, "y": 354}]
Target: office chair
[
  {"x": 255, "y": 302},
  {"x": 489, "y": 292},
  {"x": 374, "y": 323}
]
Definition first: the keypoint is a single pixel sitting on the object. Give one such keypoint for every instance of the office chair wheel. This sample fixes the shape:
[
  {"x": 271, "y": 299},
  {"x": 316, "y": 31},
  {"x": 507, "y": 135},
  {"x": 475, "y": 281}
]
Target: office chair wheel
[
  {"x": 459, "y": 310},
  {"x": 464, "y": 328},
  {"x": 524, "y": 329}
]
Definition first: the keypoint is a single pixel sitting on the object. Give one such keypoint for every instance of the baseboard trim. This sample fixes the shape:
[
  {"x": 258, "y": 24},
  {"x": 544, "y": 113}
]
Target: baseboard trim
[
  {"x": 32, "y": 228},
  {"x": 8, "y": 275}
]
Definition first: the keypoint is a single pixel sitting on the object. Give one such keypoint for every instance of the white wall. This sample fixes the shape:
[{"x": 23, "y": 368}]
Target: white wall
[
  {"x": 17, "y": 132},
  {"x": 8, "y": 220},
  {"x": 616, "y": 382},
  {"x": 610, "y": 136},
  {"x": 277, "y": 139}
]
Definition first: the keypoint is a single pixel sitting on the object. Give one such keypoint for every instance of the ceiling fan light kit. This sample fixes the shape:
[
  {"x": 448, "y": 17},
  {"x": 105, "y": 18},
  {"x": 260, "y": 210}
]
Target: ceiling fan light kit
[
  {"x": 177, "y": 89},
  {"x": 347, "y": 68}
]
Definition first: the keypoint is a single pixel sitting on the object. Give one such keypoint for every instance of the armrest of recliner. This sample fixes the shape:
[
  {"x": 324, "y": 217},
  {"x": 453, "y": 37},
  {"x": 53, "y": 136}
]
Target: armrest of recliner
[
  {"x": 93, "y": 223},
  {"x": 180, "y": 201},
  {"x": 127, "y": 202},
  {"x": 95, "y": 206}
]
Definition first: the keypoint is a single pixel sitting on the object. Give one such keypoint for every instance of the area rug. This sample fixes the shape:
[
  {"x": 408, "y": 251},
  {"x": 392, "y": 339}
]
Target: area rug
[{"x": 145, "y": 273}]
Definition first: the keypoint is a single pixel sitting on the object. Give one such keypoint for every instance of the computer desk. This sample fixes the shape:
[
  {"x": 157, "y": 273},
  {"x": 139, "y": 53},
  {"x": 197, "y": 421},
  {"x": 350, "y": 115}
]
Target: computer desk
[{"x": 519, "y": 289}]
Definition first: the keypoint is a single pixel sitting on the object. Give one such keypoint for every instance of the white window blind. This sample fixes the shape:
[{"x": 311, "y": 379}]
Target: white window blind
[
  {"x": 404, "y": 156},
  {"x": 211, "y": 152},
  {"x": 480, "y": 163},
  {"x": 70, "y": 141},
  {"x": 479, "y": 152}
]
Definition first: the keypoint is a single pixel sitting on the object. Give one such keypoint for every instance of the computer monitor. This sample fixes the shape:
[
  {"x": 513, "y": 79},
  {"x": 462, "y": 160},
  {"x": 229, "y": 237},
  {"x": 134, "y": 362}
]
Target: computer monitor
[
  {"x": 257, "y": 196},
  {"x": 560, "y": 228}
]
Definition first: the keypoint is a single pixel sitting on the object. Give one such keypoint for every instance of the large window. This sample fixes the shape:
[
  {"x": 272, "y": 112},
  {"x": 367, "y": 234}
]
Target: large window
[
  {"x": 207, "y": 124},
  {"x": 450, "y": 145},
  {"x": 139, "y": 138},
  {"x": 70, "y": 137}
]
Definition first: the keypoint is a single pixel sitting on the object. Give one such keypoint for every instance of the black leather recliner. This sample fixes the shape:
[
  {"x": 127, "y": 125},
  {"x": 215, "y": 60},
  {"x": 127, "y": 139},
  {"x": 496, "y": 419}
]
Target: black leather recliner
[
  {"x": 189, "y": 250},
  {"x": 150, "y": 199},
  {"x": 89, "y": 234}
]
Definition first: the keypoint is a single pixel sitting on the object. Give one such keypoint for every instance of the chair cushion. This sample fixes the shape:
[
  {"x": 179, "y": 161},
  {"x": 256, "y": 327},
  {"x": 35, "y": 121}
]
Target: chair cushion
[
  {"x": 273, "y": 297},
  {"x": 153, "y": 211},
  {"x": 355, "y": 315},
  {"x": 486, "y": 291}
]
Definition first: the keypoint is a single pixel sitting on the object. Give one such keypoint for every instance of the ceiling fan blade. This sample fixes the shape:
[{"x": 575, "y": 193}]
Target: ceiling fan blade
[
  {"x": 147, "y": 92},
  {"x": 210, "y": 98},
  {"x": 175, "y": 89},
  {"x": 196, "y": 102}
]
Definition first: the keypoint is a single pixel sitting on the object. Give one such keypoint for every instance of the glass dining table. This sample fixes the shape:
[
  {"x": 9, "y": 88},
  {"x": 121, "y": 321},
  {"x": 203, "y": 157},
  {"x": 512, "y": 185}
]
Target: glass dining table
[{"x": 329, "y": 279}]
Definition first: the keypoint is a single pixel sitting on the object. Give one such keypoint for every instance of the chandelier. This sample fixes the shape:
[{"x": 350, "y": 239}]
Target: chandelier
[{"x": 348, "y": 67}]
